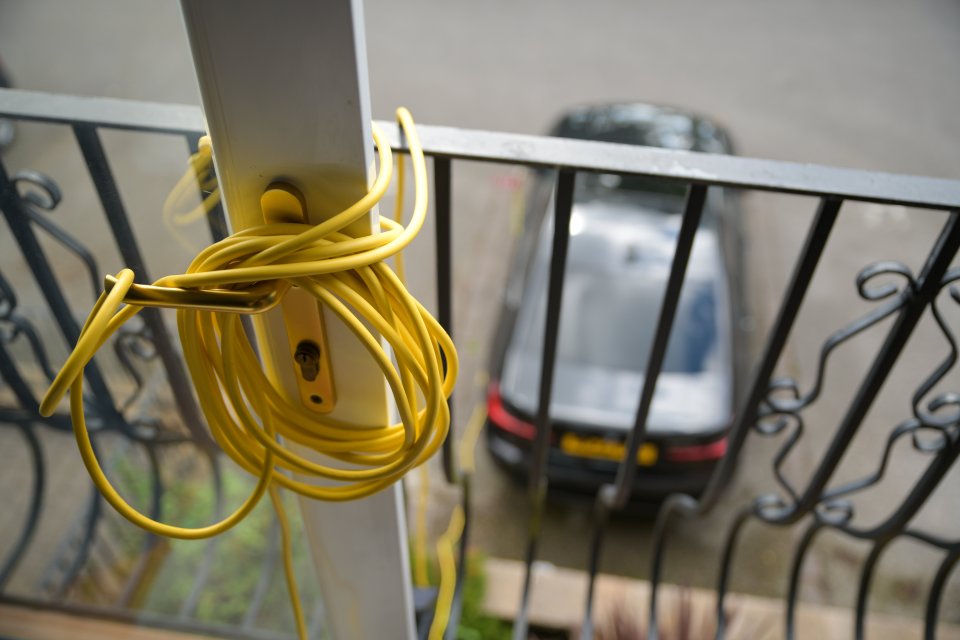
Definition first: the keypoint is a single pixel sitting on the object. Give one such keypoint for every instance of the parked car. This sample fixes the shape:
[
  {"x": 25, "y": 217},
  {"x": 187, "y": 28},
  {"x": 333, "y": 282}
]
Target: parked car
[{"x": 622, "y": 235}]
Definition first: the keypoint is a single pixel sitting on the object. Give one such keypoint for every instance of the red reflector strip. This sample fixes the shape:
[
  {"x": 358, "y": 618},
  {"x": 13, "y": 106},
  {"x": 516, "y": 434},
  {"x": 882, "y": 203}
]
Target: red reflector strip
[
  {"x": 505, "y": 420},
  {"x": 698, "y": 452}
]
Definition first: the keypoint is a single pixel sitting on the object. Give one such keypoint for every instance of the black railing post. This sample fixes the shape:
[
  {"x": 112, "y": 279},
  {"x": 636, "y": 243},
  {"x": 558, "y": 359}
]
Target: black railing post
[
  {"x": 443, "y": 201},
  {"x": 537, "y": 486},
  {"x": 692, "y": 212},
  {"x": 103, "y": 180},
  {"x": 12, "y": 208}
]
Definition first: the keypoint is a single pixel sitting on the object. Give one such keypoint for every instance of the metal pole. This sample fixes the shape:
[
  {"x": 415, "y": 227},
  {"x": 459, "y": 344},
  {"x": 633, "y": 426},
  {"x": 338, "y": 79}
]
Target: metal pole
[{"x": 285, "y": 94}]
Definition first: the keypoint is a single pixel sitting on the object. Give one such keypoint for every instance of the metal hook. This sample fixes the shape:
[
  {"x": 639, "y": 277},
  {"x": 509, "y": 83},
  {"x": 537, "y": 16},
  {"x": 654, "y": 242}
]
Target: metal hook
[{"x": 256, "y": 299}]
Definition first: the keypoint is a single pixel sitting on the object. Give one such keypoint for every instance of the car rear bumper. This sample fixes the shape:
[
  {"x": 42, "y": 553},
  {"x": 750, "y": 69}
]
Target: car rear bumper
[{"x": 576, "y": 475}]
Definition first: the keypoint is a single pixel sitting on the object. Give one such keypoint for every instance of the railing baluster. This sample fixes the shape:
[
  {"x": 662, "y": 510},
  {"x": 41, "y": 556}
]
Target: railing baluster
[
  {"x": 36, "y": 258},
  {"x": 91, "y": 519},
  {"x": 15, "y": 555},
  {"x": 537, "y": 487},
  {"x": 443, "y": 204},
  {"x": 692, "y": 212},
  {"x": 601, "y": 512},
  {"x": 617, "y": 495},
  {"x": 10, "y": 375},
  {"x": 796, "y": 570},
  {"x": 936, "y": 592},
  {"x": 723, "y": 579},
  {"x": 102, "y": 176},
  {"x": 442, "y": 199},
  {"x": 810, "y": 256},
  {"x": 863, "y": 589}
]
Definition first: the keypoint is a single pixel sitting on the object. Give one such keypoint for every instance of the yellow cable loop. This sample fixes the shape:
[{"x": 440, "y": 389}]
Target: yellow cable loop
[
  {"x": 248, "y": 417},
  {"x": 446, "y": 542},
  {"x": 185, "y": 191},
  {"x": 448, "y": 578}
]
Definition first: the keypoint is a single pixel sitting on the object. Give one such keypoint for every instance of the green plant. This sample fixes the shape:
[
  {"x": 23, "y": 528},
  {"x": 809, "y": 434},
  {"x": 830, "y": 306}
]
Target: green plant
[
  {"x": 189, "y": 500},
  {"x": 475, "y": 624}
]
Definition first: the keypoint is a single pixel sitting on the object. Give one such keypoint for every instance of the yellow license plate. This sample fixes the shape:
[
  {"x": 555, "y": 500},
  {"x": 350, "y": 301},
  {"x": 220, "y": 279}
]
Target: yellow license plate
[{"x": 601, "y": 448}]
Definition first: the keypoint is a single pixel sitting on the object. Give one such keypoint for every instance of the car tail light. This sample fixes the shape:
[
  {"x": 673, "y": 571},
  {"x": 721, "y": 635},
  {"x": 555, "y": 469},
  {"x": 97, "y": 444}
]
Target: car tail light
[
  {"x": 503, "y": 419},
  {"x": 698, "y": 452}
]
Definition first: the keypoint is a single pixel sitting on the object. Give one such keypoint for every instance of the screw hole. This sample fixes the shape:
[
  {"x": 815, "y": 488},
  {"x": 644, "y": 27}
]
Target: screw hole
[{"x": 315, "y": 399}]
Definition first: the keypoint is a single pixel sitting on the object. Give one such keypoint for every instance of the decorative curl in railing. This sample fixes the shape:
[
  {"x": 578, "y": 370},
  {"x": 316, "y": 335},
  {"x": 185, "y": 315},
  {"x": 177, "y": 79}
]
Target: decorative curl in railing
[
  {"x": 912, "y": 428},
  {"x": 14, "y": 326},
  {"x": 134, "y": 347},
  {"x": 42, "y": 191},
  {"x": 897, "y": 296},
  {"x": 42, "y": 195},
  {"x": 943, "y": 410},
  {"x": 780, "y": 411}
]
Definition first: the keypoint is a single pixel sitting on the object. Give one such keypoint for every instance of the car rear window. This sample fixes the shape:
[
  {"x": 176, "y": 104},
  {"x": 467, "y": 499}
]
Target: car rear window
[{"x": 610, "y": 323}]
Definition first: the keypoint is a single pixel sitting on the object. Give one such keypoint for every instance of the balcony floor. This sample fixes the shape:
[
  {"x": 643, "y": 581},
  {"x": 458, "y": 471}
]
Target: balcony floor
[{"x": 36, "y": 624}]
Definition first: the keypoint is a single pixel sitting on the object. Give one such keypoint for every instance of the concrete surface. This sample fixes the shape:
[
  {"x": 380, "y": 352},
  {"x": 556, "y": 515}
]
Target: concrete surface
[{"x": 857, "y": 83}]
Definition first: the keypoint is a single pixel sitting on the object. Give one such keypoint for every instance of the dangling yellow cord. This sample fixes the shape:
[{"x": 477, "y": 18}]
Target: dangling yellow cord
[
  {"x": 286, "y": 548},
  {"x": 200, "y": 174},
  {"x": 446, "y": 542},
  {"x": 420, "y": 560},
  {"x": 448, "y": 577},
  {"x": 245, "y": 412}
]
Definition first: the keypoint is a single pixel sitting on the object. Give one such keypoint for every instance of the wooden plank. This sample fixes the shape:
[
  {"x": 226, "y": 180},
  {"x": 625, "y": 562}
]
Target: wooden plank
[
  {"x": 558, "y": 596},
  {"x": 23, "y": 623}
]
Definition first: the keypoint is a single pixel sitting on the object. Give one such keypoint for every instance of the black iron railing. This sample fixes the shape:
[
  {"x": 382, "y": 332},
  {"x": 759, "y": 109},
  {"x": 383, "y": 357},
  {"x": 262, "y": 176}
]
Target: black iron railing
[{"x": 770, "y": 406}]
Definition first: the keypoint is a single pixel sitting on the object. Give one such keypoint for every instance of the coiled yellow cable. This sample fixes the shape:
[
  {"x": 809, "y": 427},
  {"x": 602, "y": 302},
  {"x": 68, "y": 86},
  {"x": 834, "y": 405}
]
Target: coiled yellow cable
[{"x": 251, "y": 419}]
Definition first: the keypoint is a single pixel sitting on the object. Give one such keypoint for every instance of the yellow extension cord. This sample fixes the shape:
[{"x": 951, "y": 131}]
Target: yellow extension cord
[
  {"x": 200, "y": 174},
  {"x": 246, "y": 414},
  {"x": 447, "y": 541}
]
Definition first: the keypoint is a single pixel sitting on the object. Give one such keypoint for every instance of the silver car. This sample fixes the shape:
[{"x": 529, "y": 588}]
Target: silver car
[{"x": 622, "y": 235}]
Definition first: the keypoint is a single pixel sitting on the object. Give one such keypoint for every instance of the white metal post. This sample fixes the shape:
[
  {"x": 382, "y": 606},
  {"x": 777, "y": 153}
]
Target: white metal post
[{"x": 285, "y": 95}]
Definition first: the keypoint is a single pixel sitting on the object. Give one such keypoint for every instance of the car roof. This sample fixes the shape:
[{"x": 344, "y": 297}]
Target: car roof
[
  {"x": 618, "y": 236},
  {"x": 644, "y": 124}
]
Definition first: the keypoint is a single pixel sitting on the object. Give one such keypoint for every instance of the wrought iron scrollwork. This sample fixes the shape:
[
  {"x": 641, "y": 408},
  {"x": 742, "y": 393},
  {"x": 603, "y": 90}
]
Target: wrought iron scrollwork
[
  {"x": 897, "y": 297},
  {"x": 134, "y": 347},
  {"x": 934, "y": 429},
  {"x": 13, "y": 326},
  {"x": 28, "y": 199},
  {"x": 929, "y": 430},
  {"x": 42, "y": 195},
  {"x": 45, "y": 193},
  {"x": 943, "y": 410},
  {"x": 780, "y": 411}
]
